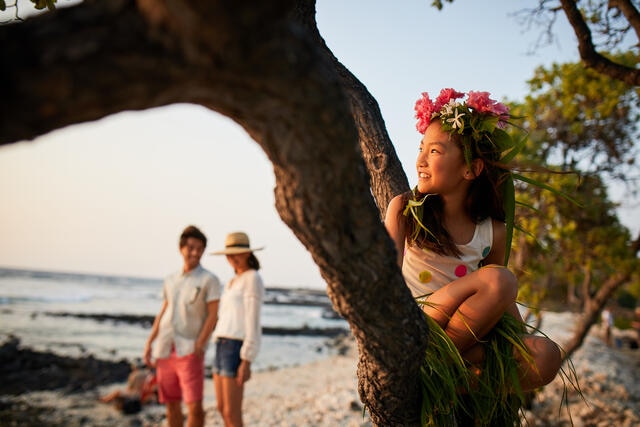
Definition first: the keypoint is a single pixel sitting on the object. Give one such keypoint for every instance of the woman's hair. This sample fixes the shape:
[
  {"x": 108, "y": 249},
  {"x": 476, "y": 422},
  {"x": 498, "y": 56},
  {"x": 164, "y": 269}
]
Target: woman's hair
[
  {"x": 253, "y": 261},
  {"x": 484, "y": 200}
]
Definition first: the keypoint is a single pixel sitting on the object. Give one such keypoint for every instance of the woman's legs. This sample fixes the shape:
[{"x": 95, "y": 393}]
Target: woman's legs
[
  {"x": 229, "y": 399},
  {"x": 467, "y": 308}
]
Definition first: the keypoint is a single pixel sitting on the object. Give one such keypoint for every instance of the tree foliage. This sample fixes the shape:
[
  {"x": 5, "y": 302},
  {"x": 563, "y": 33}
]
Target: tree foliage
[
  {"x": 584, "y": 120},
  {"x": 585, "y": 127}
]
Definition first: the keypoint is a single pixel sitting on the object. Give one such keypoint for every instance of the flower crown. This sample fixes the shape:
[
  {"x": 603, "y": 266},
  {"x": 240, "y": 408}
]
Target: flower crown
[
  {"x": 479, "y": 120},
  {"x": 479, "y": 109}
]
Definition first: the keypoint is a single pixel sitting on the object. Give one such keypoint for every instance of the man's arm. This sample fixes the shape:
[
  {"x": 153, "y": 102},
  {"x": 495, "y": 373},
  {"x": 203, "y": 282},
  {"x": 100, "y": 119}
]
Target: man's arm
[{"x": 207, "y": 328}]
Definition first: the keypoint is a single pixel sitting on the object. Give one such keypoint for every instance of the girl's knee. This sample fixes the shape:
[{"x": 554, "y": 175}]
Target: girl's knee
[{"x": 501, "y": 281}]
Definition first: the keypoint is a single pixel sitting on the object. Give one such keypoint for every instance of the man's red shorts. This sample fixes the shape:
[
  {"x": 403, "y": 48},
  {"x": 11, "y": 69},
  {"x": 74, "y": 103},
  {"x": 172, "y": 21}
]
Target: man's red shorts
[{"x": 180, "y": 378}]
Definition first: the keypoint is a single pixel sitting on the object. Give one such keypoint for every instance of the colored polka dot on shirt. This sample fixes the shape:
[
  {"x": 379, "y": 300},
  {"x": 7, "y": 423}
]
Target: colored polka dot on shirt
[
  {"x": 425, "y": 276},
  {"x": 461, "y": 270},
  {"x": 485, "y": 251}
]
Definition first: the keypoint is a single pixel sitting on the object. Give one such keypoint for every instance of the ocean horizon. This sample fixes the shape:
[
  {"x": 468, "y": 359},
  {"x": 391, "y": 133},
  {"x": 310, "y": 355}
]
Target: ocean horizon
[{"x": 110, "y": 316}]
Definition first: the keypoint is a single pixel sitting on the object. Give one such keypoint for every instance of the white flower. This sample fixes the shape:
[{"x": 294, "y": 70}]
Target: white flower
[
  {"x": 456, "y": 121},
  {"x": 449, "y": 107}
]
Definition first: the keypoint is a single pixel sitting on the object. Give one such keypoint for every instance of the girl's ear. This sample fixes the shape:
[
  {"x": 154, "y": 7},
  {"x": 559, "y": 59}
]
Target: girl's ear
[{"x": 477, "y": 165}]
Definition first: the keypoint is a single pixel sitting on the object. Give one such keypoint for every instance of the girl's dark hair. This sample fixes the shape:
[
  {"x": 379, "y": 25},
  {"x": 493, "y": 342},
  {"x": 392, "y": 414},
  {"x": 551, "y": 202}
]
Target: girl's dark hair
[
  {"x": 485, "y": 200},
  {"x": 253, "y": 261},
  {"x": 192, "y": 231}
]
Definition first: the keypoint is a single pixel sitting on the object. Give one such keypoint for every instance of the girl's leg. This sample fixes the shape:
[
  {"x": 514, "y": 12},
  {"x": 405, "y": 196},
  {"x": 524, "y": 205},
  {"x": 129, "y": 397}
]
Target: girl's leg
[
  {"x": 217, "y": 388},
  {"x": 229, "y": 398},
  {"x": 545, "y": 365},
  {"x": 467, "y": 308},
  {"x": 537, "y": 372}
]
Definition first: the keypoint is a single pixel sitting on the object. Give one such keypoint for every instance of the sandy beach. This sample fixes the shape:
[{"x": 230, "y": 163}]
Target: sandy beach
[{"x": 324, "y": 393}]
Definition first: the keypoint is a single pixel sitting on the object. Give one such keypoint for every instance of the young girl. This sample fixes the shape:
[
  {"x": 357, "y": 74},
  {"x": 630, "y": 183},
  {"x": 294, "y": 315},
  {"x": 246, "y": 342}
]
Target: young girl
[
  {"x": 450, "y": 232},
  {"x": 238, "y": 332}
]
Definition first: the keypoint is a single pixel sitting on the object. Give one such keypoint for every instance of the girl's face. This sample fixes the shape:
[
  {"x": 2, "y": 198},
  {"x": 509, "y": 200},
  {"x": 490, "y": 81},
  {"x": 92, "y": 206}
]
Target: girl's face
[
  {"x": 239, "y": 262},
  {"x": 440, "y": 164}
]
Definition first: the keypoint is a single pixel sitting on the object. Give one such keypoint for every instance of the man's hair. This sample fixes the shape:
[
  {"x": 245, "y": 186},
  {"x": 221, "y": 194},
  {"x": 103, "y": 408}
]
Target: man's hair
[{"x": 192, "y": 231}]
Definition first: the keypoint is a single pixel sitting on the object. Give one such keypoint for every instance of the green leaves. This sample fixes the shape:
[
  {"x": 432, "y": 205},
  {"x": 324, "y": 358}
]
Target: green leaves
[
  {"x": 509, "y": 197},
  {"x": 415, "y": 208},
  {"x": 41, "y": 4}
]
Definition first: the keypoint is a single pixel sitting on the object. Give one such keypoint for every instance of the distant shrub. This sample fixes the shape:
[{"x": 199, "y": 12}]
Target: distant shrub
[{"x": 626, "y": 299}]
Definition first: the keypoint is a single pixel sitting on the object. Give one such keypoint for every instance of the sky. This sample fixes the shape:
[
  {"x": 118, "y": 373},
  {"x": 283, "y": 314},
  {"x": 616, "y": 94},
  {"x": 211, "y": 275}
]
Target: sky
[{"x": 112, "y": 196}]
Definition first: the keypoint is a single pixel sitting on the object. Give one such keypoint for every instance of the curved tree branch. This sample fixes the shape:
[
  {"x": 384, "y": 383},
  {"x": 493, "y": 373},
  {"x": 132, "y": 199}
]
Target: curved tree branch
[
  {"x": 630, "y": 12},
  {"x": 588, "y": 53}
]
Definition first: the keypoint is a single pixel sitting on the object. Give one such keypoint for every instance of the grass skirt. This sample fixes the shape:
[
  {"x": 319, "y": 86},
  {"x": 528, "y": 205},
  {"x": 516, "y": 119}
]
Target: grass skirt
[{"x": 454, "y": 394}]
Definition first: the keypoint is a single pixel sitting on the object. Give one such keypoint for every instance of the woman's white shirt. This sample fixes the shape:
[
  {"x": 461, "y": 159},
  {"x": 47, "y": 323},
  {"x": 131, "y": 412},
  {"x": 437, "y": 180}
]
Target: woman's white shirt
[{"x": 239, "y": 313}]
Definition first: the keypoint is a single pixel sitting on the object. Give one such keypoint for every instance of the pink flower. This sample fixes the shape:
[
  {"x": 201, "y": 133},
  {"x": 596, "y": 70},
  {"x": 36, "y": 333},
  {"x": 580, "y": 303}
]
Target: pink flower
[
  {"x": 503, "y": 114},
  {"x": 445, "y": 96},
  {"x": 480, "y": 102},
  {"x": 424, "y": 109}
]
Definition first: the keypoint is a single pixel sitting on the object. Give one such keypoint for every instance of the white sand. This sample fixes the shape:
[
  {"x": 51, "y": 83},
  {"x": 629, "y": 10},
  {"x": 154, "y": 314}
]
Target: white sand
[{"x": 322, "y": 393}]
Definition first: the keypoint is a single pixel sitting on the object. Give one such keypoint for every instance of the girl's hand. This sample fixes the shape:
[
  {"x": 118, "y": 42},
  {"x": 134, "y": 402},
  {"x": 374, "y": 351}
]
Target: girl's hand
[{"x": 244, "y": 372}]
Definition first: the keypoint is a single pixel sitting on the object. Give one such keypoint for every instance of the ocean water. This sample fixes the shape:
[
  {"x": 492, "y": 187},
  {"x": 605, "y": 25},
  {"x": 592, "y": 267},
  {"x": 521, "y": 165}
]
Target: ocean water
[{"x": 53, "y": 311}]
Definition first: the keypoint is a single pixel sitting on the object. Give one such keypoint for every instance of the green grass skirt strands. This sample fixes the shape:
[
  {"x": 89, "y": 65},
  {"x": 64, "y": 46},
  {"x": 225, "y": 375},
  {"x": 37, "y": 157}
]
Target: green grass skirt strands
[{"x": 453, "y": 395}]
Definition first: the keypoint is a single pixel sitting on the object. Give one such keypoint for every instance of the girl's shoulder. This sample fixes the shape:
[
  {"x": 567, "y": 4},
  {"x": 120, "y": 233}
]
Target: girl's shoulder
[
  {"x": 499, "y": 229},
  {"x": 398, "y": 203},
  {"x": 398, "y": 200}
]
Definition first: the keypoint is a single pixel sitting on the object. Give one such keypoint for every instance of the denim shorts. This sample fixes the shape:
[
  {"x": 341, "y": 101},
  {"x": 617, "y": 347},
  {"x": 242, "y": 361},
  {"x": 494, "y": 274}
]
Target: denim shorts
[{"x": 227, "y": 358}]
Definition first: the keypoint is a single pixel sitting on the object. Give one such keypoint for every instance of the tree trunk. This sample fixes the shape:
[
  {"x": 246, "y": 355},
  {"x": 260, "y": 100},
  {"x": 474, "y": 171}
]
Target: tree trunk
[
  {"x": 590, "y": 314},
  {"x": 264, "y": 65},
  {"x": 586, "y": 288}
]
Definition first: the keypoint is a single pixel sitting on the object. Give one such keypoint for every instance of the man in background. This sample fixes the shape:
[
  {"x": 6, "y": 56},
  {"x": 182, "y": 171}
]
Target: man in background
[{"x": 181, "y": 332}]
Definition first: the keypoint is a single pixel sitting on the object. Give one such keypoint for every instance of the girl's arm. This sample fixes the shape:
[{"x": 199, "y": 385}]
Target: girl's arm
[
  {"x": 396, "y": 227},
  {"x": 498, "y": 246}
]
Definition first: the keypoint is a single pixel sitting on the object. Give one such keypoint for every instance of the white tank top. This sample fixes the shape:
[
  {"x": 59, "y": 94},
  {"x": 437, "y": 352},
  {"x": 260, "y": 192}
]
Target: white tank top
[{"x": 426, "y": 271}]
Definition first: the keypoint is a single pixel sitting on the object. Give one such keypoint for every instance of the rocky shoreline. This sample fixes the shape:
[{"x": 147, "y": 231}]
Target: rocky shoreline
[
  {"x": 322, "y": 393},
  {"x": 24, "y": 370}
]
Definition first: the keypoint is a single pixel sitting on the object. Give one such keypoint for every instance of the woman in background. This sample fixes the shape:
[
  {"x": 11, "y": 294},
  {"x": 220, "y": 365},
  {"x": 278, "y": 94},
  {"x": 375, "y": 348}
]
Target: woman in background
[{"x": 238, "y": 332}]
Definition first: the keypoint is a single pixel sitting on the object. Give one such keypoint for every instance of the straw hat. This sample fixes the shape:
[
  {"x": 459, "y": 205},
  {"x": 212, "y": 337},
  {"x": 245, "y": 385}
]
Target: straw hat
[{"x": 236, "y": 243}]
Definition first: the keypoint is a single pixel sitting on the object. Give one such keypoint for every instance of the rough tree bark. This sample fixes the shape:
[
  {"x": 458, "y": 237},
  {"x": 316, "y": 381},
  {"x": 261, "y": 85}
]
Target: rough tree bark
[{"x": 264, "y": 65}]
